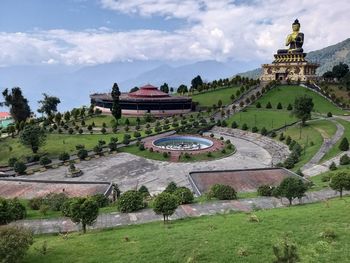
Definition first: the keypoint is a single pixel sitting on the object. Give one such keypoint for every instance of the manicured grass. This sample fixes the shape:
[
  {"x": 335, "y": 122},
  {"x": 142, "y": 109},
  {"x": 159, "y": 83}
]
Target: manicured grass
[
  {"x": 204, "y": 156},
  {"x": 270, "y": 119},
  {"x": 334, "y": 151},
  {"x": 133, "y": 149},
  {"x": 287, "y": 94},
  {"x": 210, "y": 238},
  {"x": 311, "y": 138},
  {"x": 107, "y": 119},
  {"x": 207, "y": 99}
]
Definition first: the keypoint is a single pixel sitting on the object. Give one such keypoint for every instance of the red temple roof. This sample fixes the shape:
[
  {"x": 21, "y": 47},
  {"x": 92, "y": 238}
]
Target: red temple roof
[
  {"x": 4, "y": 115},
  {"x": 148, "y": 91}
]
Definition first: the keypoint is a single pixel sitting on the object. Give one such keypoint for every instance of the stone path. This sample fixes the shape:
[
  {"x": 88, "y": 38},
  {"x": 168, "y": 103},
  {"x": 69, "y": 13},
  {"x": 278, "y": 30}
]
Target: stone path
[
  {"x": 130, "y": 171},
  {"x": 328, "y": 143},
  {"x": 63, "y": 225}
]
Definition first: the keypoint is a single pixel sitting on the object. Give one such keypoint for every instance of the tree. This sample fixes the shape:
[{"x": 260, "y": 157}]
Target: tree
[
  {"x": 340, "y": 70},
  {"x": 165, "y": 88},
  {"x": 10, "y": 210},
  {"x": 19, "y": 108},
  {"x": 144, "y": 190},
  {"x": 130, "y": 201},
  {"x": 196, "y": 82},
  {"x": 134, "y": 89},
  {"x": 340, "y": 181},
  {"x": 14, "y": 243},
  {"x": 171, "y": 188},
  {"x": 344, "y": 144},
  {"x": 48, "y": 104},
  {"x": 81, "y": 210},
  {"x": 33, "y": 137},
  {"x": 116, "y": 109},
  {"x": 182, "y": 89},
  {"x": 292, "y": 187},
  {"x": 303, "y": 106},
  {"x": 165, "y": 204}
]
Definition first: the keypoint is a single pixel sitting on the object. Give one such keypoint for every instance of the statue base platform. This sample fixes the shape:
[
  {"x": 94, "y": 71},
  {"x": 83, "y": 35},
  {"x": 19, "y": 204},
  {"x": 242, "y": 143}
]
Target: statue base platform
[{"x": 289, "y": 67}]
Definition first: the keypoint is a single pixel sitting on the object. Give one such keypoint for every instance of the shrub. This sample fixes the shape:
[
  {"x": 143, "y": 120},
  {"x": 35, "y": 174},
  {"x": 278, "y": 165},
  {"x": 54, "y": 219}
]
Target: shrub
[
  {"x": 268, "y": 105},
  {"x": 344, "y": 160},
  {"x": 255, "y": 129},
  {"x": 55, "y": 200},
  {"x": 244, "y": 127},
  {"x": 103, "y": 130},
  {"x": 288, "y": 140},
  {"x": 184, "y": 195},
  {"x": 281, "y": 138},
  {"x": 82, "y": 154},
  {"x": 141, "y": 147},
  {"x": 234, "y": 125},
  {"x": 265, "y": 190},
  {"x": 11, "y": 162},
  {"x": 333, "y": 166},
  {"x": 285, "y": 251},
  {"x": 223, "y": 192},
  {"x": 326, "y": 177},
  {"x": 344, "y": 145},
  {"x": 171, "y": 188},
  {"x": 101, "y": 200},
  {"x": 187, "y": 155},
  {"x": 165, "y": 155},
  {"x": 258, "y": 105},
  {"x": 263, "y": 131},
  {"x": 279, "y": 106},
  {"x": 64, "y": 156},
  {"x": 14, "y": 243},
  {"x": 130, "y": 201},
  {"x": 290, "y": 107},
  {"x": 45, "y": 160},
  {"x": 144, "y": 191},
  {"x": 10, "y": 210},
  {"x": 20, "y": 167},
  {"x": 35, "y": 203},
  {"x": 329, "y": 114}
]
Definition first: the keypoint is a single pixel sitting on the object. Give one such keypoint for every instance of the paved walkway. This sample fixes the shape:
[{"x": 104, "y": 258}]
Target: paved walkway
[
  {"x": 59, "y": 225},
  {"x": 328, "y": 143}
]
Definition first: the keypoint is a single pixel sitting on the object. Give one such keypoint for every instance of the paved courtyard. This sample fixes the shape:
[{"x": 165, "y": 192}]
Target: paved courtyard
[{"x": 131, "y": 171}]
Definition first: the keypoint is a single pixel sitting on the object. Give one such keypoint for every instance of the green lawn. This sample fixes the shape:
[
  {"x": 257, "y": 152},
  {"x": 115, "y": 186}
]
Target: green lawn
[
  {"x": 55, "y": 144},
  {"x": 207, "y": 99},
  {"x": 287, "y": 94},
  {"x": 100, "y": 119},
  {"x": 133, "y": 149},
  {"x": 216, "y": 238},
  {"x": 334, "y": 151},
  {"x": 270, "y": 119},
  {"x": 311, "y": 138}
]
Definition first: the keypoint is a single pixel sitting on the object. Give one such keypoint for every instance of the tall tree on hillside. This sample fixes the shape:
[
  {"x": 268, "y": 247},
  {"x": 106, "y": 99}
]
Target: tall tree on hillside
[
  {"x": 303, "y": 106},
  {"x": 196, "y": 82},
  {"x": 165, "y": 87},
  {"x": 48, "y": 104},
  {"x": 33, "y": 137},
  {"x": 116, "y": 109},
  {"x": 182, "y": 89},
  {"x": 19, "y": 108},
  {"x": 340, "y": 70}
]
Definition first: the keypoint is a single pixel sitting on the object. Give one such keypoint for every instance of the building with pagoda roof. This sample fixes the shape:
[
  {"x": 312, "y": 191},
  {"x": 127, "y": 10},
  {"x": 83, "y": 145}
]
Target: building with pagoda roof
[{"x": 148, "y": 99}]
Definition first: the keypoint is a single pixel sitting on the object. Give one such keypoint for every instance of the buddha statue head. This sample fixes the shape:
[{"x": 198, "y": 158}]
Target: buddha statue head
[{"x": 296, "y": 26}]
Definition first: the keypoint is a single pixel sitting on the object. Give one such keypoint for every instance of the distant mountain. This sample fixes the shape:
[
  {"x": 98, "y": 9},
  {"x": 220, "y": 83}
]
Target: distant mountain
[
  {"x": 330, "y": 56},
  {"x": 326, "y": 57},
  {"x": 73, "y": 85}
]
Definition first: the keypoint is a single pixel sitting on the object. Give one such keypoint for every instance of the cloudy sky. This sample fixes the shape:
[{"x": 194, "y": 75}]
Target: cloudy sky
[{"x": 90, "y": 32}]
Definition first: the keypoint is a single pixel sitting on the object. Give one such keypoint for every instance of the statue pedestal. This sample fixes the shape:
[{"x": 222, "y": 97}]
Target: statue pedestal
[{"x": 289, "y": 67}]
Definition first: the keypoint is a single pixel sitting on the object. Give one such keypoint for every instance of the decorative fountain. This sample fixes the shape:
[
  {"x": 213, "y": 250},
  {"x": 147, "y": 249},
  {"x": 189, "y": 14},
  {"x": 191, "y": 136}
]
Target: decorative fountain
[{"x": 183, "y": 143}]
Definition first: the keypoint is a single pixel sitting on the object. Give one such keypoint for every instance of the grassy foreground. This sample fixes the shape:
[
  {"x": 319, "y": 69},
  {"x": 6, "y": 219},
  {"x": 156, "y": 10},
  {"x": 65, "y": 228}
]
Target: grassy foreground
[
  {"x": 211, "y": 239},
  {"x": 207, "y": 99}
]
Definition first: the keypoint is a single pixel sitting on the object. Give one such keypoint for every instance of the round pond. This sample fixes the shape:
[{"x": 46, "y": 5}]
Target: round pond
[{"x": 183, "y": 143}]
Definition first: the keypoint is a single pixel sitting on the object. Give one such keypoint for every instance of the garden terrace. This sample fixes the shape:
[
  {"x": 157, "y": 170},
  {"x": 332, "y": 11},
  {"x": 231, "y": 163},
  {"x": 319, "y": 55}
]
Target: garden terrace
[{"x": 247, "y": 180}]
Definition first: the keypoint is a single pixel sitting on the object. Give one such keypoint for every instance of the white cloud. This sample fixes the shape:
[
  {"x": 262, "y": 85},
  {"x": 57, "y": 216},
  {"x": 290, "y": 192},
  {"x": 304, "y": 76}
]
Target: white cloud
[{"x": 221, "y": 29}]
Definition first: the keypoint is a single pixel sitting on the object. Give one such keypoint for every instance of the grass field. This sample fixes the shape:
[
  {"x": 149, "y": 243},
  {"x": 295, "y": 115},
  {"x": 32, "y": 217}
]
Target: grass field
[
  {"x": 287, "y": 94},
  {"x": 107, "y": 119},
  {"x": 270, "y": 119},
  {"x": 209, "y": 98},
  {"x": 311, "y": 138},
  {"x": 217, "y": 238},
  {"x": 55, "y": 145},
  {"x": 334, "y": 151}
]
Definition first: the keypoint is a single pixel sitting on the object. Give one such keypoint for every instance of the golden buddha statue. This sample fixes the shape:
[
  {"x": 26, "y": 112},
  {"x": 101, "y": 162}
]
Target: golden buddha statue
[{"x": 294, "y": 40}]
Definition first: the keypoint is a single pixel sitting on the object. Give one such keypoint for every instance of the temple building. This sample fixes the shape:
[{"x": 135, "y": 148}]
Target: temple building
[
  {"x": 290, "y": 64},
  {"x": 148, "y": 99}
]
